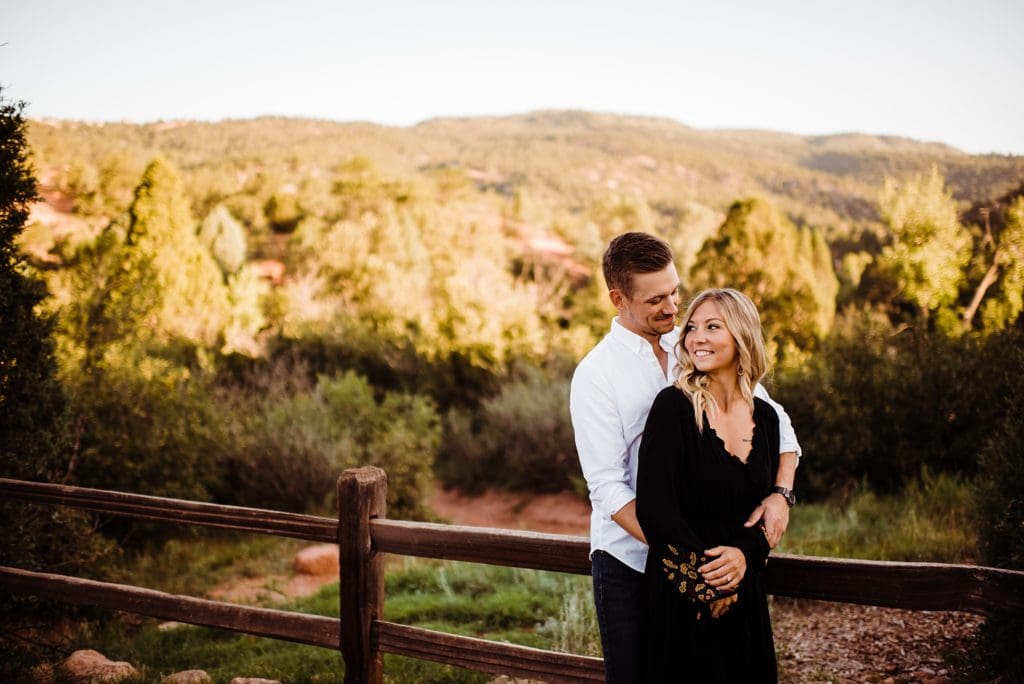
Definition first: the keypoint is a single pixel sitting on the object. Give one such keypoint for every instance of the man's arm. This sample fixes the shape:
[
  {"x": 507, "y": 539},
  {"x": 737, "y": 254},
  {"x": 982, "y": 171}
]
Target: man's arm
[
  {"x": 787, "y": 436},
  {"x": 626, "y": 519},
  {"x": 602, "y": 448},
  {"x": 773, "y": 510}
]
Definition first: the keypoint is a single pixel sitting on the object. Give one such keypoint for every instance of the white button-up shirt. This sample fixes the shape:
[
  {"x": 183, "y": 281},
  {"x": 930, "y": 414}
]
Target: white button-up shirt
[{"x": 611, "y": 394}]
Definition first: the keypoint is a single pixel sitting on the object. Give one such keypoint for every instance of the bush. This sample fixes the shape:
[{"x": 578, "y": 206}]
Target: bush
[
  {"x": 876, "y": 405},
  {"x": 143, "y": 427},
  {"x": 520, "y": 439},
  {"x": 284, "y": 440},
  {"x": 1000, "y": 494}
]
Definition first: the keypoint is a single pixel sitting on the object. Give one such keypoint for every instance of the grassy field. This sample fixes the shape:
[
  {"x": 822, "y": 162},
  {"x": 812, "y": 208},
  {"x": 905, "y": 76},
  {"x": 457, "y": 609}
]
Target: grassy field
[{"x": 929, "y": 522}]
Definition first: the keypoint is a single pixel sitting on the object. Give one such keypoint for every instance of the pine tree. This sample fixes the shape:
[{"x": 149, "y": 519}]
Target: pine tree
[
  {"x": 31, "y": 403},
  {"x": 33, "y": 438}
]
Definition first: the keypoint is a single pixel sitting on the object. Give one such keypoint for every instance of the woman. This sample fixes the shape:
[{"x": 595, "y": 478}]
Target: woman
[{"x": 709, "y": 455}]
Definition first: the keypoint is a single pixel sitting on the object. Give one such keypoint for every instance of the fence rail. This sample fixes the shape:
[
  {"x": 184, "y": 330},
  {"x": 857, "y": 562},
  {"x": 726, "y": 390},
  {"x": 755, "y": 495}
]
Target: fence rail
[
  {"x": 257, "y": 520},
  {"x": 315, "y": 630},
  {"x": 364, "y": 534}
]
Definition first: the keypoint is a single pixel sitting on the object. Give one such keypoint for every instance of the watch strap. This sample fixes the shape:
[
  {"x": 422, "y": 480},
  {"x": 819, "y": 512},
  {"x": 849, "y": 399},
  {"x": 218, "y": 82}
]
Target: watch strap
[{"x": 786, "y": 493}]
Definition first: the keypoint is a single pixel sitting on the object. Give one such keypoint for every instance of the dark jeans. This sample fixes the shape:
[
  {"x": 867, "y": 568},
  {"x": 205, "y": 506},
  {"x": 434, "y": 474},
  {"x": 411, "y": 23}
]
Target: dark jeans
[{"x": 617, "y": 596}]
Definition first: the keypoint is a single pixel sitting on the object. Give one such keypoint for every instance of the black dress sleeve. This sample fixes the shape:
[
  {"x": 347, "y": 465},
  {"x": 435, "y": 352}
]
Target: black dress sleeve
[{"x": 664, "y": 444}]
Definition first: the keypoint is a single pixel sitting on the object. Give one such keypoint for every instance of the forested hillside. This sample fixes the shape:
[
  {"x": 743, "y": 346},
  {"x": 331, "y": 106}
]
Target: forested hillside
[
  {"x": 238, "y": 311},
  {"x": 242, "y": 299}
]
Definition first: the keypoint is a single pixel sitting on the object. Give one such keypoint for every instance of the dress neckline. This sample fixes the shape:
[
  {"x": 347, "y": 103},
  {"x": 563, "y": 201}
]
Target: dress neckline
[{"x": 720, "y": 443}]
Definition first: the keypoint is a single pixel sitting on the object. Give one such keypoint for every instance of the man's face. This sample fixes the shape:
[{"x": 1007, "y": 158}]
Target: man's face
[{"x": 652, "y": 309}]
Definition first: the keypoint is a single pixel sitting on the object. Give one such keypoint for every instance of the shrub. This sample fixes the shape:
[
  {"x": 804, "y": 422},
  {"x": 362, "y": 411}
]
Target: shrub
[
  {"x": 520, "y": 439},
  {"x": 1000, "y": 497},
  {"x": 877, "y": 404},
  {"x": 1000, "y": 494},
  {"x": 284, "y": 440}
]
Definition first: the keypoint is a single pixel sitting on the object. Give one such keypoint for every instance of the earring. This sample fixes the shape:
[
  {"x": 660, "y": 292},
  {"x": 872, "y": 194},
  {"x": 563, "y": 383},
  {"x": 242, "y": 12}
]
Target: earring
[{"x": 739, "y": 370}]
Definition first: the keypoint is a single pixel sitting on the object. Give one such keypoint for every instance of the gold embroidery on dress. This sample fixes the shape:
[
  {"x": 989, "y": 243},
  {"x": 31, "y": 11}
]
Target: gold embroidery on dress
[{"x": 686, "y": 565}]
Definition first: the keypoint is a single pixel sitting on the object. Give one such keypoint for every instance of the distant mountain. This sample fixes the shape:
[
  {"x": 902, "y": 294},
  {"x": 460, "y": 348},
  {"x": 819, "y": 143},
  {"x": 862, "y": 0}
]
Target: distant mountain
[{"x": 567, "y": 160}]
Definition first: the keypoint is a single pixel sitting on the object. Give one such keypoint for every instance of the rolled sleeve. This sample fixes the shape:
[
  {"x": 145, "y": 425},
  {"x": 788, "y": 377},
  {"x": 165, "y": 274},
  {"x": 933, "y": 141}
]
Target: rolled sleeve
[
  {"x": 600, "y": 442},
  {"x": 787, "y": 436}
]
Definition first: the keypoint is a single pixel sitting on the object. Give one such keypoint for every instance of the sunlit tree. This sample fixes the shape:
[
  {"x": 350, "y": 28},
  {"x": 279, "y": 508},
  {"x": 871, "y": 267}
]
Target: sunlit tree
[
  {"x": 929, "y": 247},
  {"x": 787, "y": 272},
  {"x": 224, "y": 237},
  {"x": 1007, "y": 271}
]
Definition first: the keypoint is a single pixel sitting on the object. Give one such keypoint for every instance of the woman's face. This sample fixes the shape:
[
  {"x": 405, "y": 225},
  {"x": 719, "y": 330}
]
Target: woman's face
[{"x": 708, "y": 342}]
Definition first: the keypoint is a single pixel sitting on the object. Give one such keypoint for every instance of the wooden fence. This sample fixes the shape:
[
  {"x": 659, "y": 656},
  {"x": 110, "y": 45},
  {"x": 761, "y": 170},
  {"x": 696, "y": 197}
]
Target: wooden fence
[{"x": 364, "y": 534}]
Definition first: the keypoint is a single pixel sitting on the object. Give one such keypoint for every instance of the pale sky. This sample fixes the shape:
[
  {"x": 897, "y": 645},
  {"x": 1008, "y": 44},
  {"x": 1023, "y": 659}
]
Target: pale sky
[{"x": 942, "y": 71}]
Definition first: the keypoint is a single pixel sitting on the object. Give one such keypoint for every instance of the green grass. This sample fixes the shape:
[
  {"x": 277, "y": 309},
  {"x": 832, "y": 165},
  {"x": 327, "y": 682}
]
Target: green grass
[
  {"x": 540, "y": 609},
  {"x": 930, "y": 521},
  {"x": 195, "y": 564}
]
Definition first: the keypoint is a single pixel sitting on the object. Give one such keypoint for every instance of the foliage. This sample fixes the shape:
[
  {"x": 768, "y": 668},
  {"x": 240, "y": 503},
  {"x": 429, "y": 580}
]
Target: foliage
[
  {"x": 875, "y": 404},
  {"x": 284, "y": 442},
  {"x": 225, "y": 239},
  {"x": 1000, "y": 492},
  {"x": 492, "y": 446},
  {"x": 33, "y": 418},
  {"x": 929, "y": 246},
  {"x": 787, "y": 272},
  {"x": 161, "y": 244},
  {"x": 1008, "y": 259},
  {"x": 1000, "y": 524},
  {"x": 143, "y": 425}
]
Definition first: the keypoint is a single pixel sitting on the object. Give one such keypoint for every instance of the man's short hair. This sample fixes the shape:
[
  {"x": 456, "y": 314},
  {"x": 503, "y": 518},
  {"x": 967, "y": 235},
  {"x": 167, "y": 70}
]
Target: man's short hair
[{"x": 632, "y": 253}]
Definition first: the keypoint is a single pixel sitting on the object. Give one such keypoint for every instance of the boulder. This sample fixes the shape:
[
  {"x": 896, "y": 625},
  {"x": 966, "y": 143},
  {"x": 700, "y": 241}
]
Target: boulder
[
  {"x": 321, "y": 559},
  {"x": 253, "y": 680},
  {"x": 92, "y": 667},
  {"x": 187, "y": 677}
]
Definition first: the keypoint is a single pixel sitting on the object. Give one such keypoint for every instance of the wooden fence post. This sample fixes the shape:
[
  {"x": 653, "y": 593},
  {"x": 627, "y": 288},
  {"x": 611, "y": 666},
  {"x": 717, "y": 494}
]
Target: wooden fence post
[{"x": 362, "y": 495}]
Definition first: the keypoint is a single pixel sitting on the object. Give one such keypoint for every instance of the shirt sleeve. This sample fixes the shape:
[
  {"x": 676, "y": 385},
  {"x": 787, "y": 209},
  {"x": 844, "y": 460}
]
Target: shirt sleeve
[
  {"x": 658, "y": 477},
  {"x": 600, "y": 442},
  {"x": 787, "y": 436}
]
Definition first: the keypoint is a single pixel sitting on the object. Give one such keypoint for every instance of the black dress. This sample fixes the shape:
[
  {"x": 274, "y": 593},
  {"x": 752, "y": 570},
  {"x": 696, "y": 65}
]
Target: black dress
[{"x": 694, "y": 495}]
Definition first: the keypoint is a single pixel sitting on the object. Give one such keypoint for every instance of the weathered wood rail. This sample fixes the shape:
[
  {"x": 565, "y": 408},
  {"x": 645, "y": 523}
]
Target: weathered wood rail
[{"x": 363, "y": 534}]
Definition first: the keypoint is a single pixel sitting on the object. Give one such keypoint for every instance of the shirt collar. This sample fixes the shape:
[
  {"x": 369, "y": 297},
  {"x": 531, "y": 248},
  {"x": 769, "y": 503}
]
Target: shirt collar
[{"x": 638, "y": 344}]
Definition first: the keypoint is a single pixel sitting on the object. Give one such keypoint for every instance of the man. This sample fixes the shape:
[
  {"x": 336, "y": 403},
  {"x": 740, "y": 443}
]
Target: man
[{"x": 611, "y": 393}]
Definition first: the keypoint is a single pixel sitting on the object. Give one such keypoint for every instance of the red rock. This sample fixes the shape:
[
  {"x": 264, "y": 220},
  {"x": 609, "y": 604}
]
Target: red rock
[{"x": 321, "y": 559}]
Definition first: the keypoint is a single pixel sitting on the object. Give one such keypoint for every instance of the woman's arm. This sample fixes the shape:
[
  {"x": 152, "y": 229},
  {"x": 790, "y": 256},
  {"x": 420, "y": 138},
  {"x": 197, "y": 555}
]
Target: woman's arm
[{"x": 658, "y": 477}]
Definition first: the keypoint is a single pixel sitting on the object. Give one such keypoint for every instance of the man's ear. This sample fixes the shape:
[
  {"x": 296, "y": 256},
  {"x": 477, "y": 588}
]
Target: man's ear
[{"x": 617, "y": 298}]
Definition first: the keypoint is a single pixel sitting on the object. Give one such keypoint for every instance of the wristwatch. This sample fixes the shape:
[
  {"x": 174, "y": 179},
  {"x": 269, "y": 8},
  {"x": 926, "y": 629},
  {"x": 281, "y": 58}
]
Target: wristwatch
[{"x": 786, "y": 493}]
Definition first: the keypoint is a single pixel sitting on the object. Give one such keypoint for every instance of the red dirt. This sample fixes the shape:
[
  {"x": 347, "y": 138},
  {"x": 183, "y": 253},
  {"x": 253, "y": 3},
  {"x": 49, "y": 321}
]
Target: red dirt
[{"x": 561, "y": 513}]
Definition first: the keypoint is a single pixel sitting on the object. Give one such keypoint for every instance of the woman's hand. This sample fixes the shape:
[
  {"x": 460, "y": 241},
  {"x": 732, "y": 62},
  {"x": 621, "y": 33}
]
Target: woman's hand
[
  {"x": 722, "y": 605},
  {"x": 726, "y": 570}
]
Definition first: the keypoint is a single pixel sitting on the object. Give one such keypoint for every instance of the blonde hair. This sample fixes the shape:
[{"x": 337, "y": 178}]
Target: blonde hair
[{"x": 744, "y": 324}]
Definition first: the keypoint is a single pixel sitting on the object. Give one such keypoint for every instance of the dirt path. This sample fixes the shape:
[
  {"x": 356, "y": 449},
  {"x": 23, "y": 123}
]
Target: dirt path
[{"x": 560, "y": 513}]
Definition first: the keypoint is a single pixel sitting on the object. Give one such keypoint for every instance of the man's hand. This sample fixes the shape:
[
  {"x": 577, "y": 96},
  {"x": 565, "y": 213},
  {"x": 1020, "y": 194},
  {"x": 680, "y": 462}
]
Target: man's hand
[
  {"x": 774, "y": 512},
  {"x": 721, "y": 606}
]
